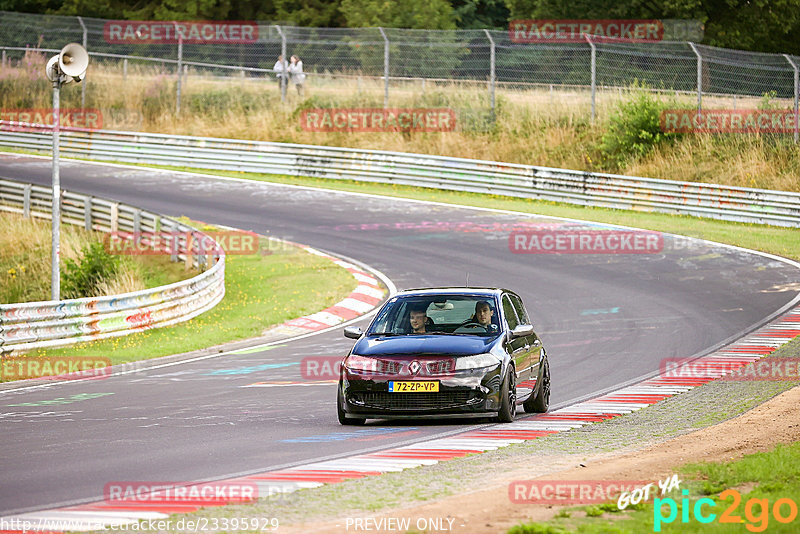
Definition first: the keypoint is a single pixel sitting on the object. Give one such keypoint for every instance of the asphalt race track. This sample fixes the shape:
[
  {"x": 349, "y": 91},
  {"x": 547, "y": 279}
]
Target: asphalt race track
[{"x": 606, "y": 319}]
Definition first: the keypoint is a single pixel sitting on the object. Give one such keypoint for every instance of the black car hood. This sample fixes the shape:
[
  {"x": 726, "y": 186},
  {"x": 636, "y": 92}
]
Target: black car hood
[{"x": 458, "y": 345}]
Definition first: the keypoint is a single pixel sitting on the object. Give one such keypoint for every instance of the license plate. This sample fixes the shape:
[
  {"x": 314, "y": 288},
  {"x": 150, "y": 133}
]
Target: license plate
[{"x": 416, "y": 386}]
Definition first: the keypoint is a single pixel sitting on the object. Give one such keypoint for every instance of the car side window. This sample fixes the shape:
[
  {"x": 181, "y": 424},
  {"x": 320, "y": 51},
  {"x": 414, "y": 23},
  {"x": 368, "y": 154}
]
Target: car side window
[
  {"x": 511, "y": 315},
  {"x": 520, "y": 309}
]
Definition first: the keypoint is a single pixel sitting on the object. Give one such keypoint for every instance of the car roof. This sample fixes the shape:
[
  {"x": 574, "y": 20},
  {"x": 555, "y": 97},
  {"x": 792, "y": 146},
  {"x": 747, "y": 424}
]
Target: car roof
[{"x": 483, "y": 291}]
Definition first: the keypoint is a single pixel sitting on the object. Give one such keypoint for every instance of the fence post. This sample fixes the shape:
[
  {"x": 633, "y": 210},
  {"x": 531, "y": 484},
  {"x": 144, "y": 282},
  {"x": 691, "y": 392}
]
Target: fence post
[
  {"x": 491, "y": 67},
  {"x": 87, "y": 213},
  {"x": 283, "y": 66},
  {"x": 3, "y": 64},
  {"x": 125, "y": 70},
  {"x": 114, "y": 219},
  {"x": 593, "y": 71},
  {"x": 385, "y": 68},
  {"x": 26, "y": 201},
  {"x": 699, "y": 76},
  {"x": 180, "y": 69},
  {"x": 796, "y": 80},
  {"x": 83, "y": 85}
]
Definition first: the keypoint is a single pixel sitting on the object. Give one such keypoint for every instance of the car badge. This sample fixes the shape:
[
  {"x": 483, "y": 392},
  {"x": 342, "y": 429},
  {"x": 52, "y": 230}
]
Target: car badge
[{"x": 414, "y": 367}]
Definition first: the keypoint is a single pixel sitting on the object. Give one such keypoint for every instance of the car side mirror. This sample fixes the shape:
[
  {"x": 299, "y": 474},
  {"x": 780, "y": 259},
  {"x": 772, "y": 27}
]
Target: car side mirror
[
  {"x": 352, "y": 332},
  {"x": 522, "y": 331}
]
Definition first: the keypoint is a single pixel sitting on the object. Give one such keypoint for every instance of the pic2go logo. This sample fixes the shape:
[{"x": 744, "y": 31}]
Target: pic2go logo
[{"x": 756, "y": 511}]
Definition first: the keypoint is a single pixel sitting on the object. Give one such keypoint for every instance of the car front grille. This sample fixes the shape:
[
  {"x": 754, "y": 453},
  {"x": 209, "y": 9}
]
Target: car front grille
[{"x": 416, "y": 401}]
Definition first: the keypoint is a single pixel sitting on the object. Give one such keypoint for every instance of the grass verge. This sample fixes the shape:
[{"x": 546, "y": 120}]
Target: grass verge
[
  {"x": 25, "y": 261},
  {"x": 260, "y": 291}
]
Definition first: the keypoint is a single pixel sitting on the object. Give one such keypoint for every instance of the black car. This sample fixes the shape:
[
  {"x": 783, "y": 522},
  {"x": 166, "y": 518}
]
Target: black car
[{"x": 445, "y": 351}]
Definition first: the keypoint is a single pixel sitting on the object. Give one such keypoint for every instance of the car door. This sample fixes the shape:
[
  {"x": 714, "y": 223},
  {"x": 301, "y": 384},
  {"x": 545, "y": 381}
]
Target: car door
[
  {"x": 534, "y": 346},
  {"x": 519, "y": 348}
]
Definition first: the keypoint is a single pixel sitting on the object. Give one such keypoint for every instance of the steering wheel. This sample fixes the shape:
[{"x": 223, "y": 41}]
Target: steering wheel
[{"x": 472, "y": 324}]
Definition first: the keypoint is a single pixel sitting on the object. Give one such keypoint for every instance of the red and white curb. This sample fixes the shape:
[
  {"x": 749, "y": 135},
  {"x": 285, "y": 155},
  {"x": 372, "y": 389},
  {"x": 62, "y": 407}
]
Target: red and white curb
[{"x": 747, "y": 350}]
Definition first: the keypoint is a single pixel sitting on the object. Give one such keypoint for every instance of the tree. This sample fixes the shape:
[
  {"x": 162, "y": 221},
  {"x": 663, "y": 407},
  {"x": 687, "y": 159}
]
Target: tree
[
  {"x": 419, "y": 14},
  {"x": 479, "y": 14},
  {"x": 758, "y": 25}
]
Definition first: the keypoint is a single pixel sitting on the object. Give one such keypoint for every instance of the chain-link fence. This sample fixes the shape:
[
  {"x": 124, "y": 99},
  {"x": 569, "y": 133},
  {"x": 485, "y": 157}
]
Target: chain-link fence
[{"x": 390, "y": 63}]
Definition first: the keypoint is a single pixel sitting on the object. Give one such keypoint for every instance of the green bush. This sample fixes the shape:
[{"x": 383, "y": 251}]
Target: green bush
[
  {"x": 634, "y": 129},
  {"x": 81, "y": 279}
]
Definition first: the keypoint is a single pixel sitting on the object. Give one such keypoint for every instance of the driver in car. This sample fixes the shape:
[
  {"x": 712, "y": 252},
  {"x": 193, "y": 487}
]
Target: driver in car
[
  {"x": 483, "y": 316},
  {"x": 483, "y": 313}
]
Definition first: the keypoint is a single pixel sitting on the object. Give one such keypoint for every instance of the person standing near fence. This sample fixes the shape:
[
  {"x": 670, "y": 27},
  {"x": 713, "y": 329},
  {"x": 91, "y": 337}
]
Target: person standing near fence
[
  {"x": 296, "y": 74},
  {"x": 279, "y": 69}
]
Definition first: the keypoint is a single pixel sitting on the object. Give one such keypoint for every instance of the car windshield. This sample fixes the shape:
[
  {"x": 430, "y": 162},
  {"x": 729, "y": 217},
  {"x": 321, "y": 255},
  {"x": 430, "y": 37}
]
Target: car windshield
[{"x": 440, "y": 314}]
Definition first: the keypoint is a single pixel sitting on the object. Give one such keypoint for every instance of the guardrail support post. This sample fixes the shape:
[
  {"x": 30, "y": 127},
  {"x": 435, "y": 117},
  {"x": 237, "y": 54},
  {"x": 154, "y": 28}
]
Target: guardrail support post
[
  {"x": 87, "y": 214},
  {"x": 593, "y": 70},
  {"x": 385, "y": 68},
  {"x": 284, "y": 71},
  {"x": 26, "y": 201},
  {"x": 201, "y": 253},
  {"x": 114, "y": 221},
  {"x": 187, "y": 260},
  {"x": 83, "y": 85},
  {"x": 796, "y": 94},
  {"x": 491, "y": 68},
  {"x": 137, "y": 221},
  {"x": 699, "y": 76}
]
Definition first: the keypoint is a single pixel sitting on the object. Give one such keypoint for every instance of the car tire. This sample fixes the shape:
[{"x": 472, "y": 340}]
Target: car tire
[
  {"x": 343, "y": 419},
  {"x": 508, "y": 398},
  {"x": 541, "y": 402}
]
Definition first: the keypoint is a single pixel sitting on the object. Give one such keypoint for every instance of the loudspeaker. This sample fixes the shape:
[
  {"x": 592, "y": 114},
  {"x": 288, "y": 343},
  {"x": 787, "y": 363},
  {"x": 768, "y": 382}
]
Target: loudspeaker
[
  {"x": 73, "y": 61},
  {"x": 70, "y": 64}
]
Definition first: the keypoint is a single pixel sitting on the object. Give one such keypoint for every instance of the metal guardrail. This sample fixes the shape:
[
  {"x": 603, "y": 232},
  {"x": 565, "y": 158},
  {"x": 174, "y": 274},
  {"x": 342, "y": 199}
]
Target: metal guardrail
[
  {"x": 33, "y": 325},
  {"x": 730, "y": 203}
]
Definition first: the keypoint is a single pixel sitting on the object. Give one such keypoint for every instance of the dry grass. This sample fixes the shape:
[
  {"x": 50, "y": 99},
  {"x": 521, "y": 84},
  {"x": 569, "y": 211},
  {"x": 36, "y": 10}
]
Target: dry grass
[
  {"x": 25, "y": 261},
  {"x": 535, "y": 125}
]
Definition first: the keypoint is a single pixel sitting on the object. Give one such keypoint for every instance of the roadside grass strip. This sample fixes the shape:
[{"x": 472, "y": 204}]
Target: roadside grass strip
[
  {"x": 730, "y": 359},
  {"x": 363, "y": 299}
]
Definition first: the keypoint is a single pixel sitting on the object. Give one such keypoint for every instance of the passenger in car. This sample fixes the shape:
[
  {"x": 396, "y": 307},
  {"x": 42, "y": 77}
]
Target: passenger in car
[{"x": 418, "y": 319}]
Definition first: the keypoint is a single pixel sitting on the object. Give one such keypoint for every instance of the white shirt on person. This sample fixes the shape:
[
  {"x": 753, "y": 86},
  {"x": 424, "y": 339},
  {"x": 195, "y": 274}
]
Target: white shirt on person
[{"x": 296, "y": 72}]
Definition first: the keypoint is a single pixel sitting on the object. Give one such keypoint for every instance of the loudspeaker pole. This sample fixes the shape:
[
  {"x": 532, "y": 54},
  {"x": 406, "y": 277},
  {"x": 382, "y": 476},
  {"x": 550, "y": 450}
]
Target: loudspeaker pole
[
  {"x": 70, "y": 64},
  {"x": 55, "y": 244}
]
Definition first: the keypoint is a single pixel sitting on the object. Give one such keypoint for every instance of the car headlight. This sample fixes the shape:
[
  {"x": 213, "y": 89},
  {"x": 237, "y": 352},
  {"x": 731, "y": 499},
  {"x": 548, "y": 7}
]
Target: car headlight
[
  {"x": 476, "y": 362},
  {"x": 363, "y": 364}
]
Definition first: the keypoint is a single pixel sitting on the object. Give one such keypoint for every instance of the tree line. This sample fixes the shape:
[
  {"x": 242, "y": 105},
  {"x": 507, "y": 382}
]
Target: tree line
[{"x": 757, "y": 25}]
